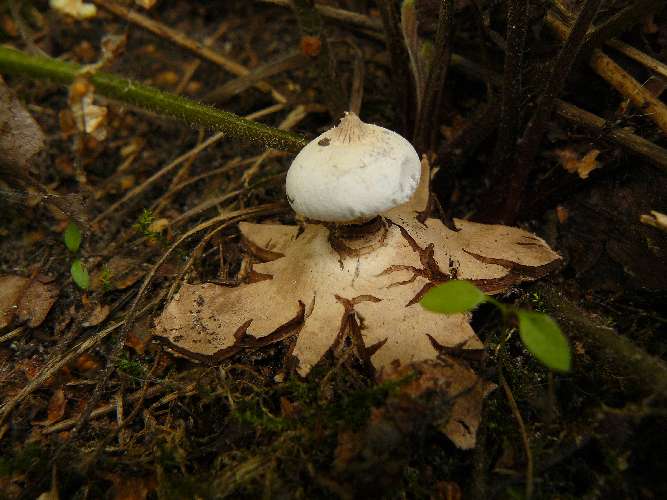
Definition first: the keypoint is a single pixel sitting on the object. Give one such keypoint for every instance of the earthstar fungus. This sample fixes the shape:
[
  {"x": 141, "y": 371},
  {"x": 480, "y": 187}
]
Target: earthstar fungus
[{"x": 325, "y": 281}]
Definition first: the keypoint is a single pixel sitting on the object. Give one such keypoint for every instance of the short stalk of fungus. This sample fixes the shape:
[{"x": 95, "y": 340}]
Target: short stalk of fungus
[{"x": 358, "y": 268}]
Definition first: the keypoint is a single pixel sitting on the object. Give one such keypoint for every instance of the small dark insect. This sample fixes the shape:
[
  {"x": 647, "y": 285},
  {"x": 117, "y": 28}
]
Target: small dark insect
[{"x": 324, "y": 142}]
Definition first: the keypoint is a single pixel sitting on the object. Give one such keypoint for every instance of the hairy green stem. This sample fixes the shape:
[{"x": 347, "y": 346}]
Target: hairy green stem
[
  {"x": 149, "y": 98},
  {"x": 428, "y": 121}
]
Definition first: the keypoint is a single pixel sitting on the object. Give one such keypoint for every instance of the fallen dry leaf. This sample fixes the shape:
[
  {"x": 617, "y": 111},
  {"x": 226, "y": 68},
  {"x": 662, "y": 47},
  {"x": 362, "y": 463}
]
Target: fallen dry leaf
[
  {"x": 86, "y": 363},
  {"x": 119, "y": 273},
  {"x": 56, "y": 408},
  {"x": 456, "y": 382},
  {"x": 26, "y": 299},
  {"x": 140, "y": 335},
  {"x": 131, "y": 488},
  {"x": 29, "y": 367},
  {"x": 21, "y": 138},
  {"x": 57, "y": 404},
  {"x": 583, "y": 165},
  {"x": 146, "y": 4},
  {"x": 88, "y": 117},
  {"x": 97, "y": 314}
]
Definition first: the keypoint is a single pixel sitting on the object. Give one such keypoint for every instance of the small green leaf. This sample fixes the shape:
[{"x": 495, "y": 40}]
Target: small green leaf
[
  {"x": 72, "y": 237},
  {"x": 456, "y": 296},
  {"x": 80, "y": 274},
  {"x": 542, "y": 337}
]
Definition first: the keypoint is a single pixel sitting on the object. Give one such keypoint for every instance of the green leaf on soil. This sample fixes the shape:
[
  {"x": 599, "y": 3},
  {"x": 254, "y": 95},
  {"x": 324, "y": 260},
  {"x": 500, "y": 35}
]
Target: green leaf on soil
[
  {"x": 72, "y": 237},
  {"x": 542, "y": 337},
  {"x": 80, "y": 274},
  {"x": 456, "y": 296}
]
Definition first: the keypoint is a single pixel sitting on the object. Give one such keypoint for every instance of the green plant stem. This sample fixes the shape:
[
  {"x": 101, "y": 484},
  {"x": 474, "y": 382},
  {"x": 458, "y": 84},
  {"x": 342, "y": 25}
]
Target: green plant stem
[{"x": 151, "y": 99}]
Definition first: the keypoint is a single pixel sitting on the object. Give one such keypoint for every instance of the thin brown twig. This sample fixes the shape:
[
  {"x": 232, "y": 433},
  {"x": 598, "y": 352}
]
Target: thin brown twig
[
  {"x": 291, "y": 60},
  {"x": 123, "y": 421},
  {"x": 54, "y": 365},
  {"x": 620, "y": 79},
  {"x": 186, "y": 42},
  {"x": 522, "y": 430},
  {"x": 194, "y": 65},
  {"x": 108, "y": 408},
  {"x": 627, "y": 17},
  {"x": 134, "y": 192},
  {"x": 626, "y": 139},
  {"x": 198, "y": 251},
  {"x": 16, "y": 332},
  {"x": 623, "y": 82},
  {"x": 345, "y": 16}
]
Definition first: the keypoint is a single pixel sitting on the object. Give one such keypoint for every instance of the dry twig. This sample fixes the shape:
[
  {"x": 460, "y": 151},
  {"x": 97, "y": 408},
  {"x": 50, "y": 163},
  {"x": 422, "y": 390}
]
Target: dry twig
[
  {"x": 186, "y": 42},
  {"x": 175, "y": 163},
  {"x": 522, "y": 431},
  {"x": 345, "y": 16}
]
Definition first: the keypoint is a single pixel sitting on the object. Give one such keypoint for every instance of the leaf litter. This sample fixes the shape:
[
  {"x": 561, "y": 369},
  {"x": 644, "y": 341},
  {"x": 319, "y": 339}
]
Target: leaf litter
[{"x": 26, "y": 300}]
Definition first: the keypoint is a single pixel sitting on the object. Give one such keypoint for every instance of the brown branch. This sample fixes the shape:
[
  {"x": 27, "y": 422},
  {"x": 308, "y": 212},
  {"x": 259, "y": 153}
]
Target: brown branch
[
  {"x": 345, "y": 16},
  {"x": 532, "y": 136},
  {"x": 105, "y": 409},
  {"x": 629, "y": 141},
  {"x": 621, "y": 21},
  {"x": 291, "y": 60},
  {"x": 577, "y": 116},
  {"x": 654, "y": 65},
  {"x": 622, "y": 81}
]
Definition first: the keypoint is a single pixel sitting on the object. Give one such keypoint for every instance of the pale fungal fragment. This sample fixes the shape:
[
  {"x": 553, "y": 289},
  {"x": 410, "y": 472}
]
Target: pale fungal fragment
[
  {"x": 75, "y": 8},
  {"x": 352, "y": 172}
]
